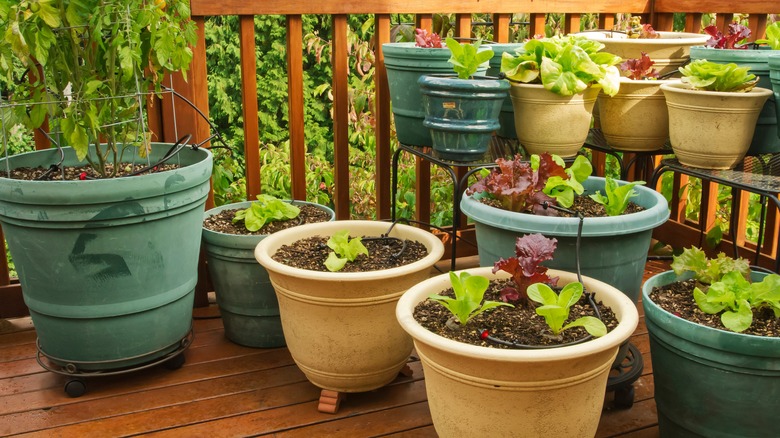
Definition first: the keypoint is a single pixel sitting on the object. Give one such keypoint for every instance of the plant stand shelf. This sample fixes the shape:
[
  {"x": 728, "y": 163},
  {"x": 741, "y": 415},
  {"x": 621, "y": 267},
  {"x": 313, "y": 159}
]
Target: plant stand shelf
[
  {"x": 756, "y": 174},
  {"x": 499, "y": 148},
  {"x": 625, "y": 160}
]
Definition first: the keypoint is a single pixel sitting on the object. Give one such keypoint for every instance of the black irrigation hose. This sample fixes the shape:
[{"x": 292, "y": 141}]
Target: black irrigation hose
[{"x": 173, "y": 151}]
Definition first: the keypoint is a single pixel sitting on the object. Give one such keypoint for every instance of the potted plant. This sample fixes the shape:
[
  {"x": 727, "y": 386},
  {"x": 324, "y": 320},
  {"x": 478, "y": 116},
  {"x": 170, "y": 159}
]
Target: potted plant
[
  {"x": 108, "y": 264},
  {"x": 727, "y": 48},
  {"x": 405, "y": 62},
  {"x": 340, "y": 326},
  {"x": 527, "y": 368},
  {"x": 714, "y": 336},
  {"x": 520, "y": 197},
  {"x": 670, "y": 50},
  {"x": 635, "y": 119},
  {"x": 558, "y": 79},
  {"x": 462, "y": 112},
  {"x": 246, "y": 299},
  {"x": 713, "y": 113}
]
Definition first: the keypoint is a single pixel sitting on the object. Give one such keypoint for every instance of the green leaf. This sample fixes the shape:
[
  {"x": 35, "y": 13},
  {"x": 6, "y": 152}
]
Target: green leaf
[
  {"x": 618, "y": 196},
  {"x": 570, "y": 294},
  {"x": 554, "y": 315},
  {"x": 49, "y": 13},
  {"x": 739, "y": 320},
  {"x": 594, "y": 326},
  {"x": 543, "y": 294},
  {"x": 335, "y": 263}
]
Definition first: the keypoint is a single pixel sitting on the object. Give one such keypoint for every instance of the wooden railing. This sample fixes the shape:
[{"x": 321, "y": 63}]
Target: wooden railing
[{"x": 657, "y": 12}]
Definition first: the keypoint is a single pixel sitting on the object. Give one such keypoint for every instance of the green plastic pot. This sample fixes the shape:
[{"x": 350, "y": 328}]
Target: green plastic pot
[
  {"x": 462, "y": 114},
  {"x": 765, "y": 138},
  {"x": 507, "y": 117},
  {"x": 107, "y": 267},
  {"x": 613, "y": 249},
  {"x": 405, "y": 63},
  {"x": 774, "y": 78},
  {"x": 708, "y": 382},
  {"x": 245, "y": 296}
]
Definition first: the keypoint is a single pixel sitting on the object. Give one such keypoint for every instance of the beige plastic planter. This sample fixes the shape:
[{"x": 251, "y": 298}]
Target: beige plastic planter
[
  {"x": 340, "y": 327},
  {"x": 712, "y": 129},
  {"x": 635, "y": 119},
  {"x": 670, "y": 51},
  {"x": 479, "y": 391},
  {"x": 548, "y": 122}
]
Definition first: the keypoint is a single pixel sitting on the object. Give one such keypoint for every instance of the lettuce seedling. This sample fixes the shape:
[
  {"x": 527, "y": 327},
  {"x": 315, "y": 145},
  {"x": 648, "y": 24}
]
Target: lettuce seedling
[
  {"x": 525, "y": 267},
  {"x": 469, "y": 294},
  {"x": 266, "y": 209},
  {"x": 427, "y": 40},
  {"x": 344, "y": 250},
  {"x": 711, "y": 76},
  {"x": 563, "y": 189},
  {"x": 617, "y": 196},
  {"x": 736, "y": 297},
  {"x": 737, "y": 34},
  {"x": 466, "y": 58},
  {"x": 772, "y": 36},
  {"x": 705, "y": 270},
  {"x": 555, "y": 308},
  {"x": 639, "y": 69}
]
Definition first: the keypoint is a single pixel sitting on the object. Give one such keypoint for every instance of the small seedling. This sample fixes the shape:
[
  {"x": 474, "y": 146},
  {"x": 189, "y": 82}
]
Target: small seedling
[
  {"x": 617, "y": 196},
  {"x": 466, "y": 58},
  {"x": 526, "y": 266},
  {"x": 555, "y": 308},
  {"x": 639, "y": 69},
  {"x": 711, "y": 76},
  {"x": 772, "y": 36},
  {"x": 266, "y": 209},
  {"x": 344, "y": 250},
  {"x": 469, "y": 294}
]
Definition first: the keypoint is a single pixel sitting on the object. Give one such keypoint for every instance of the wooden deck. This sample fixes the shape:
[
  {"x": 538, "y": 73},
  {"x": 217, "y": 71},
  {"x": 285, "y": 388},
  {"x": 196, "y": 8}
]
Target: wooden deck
[{"x": 228, "y": 390}]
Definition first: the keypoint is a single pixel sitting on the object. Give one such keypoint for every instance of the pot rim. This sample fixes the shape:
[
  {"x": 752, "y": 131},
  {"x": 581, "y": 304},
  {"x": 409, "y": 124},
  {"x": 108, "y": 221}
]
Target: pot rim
[
  {"x": 620, "y": 304},
  {"x": 667, "y": 38},
  {"x": 684, "y": 88},
  {"x": 246, "y": 204}
]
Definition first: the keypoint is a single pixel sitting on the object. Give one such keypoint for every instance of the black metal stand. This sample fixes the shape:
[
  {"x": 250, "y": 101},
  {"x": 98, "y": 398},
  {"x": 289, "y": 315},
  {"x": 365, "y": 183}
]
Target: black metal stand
[
  {"x": 500, "y": 148},
  {"x": 623, "y": 375},
  {"x": 641, "y": 159}
]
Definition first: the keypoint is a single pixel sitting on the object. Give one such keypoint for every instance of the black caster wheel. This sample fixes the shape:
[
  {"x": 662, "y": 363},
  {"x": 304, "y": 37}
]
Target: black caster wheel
[
  {"x": 175, "y": 362},
  {"x": 624, "y": 397},
  {"x": 75, "y": 387}
]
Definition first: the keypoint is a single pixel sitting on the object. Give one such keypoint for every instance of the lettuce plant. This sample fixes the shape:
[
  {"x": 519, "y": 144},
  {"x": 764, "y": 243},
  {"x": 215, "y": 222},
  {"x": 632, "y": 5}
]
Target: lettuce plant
[
  {"x": 737, "y": 33},
  {"x": 469, "y": 294},
  {"x": 639, "y": 68},
  {"x": 466, "y": 58},
  {"x": 525, "y": 186},
  {"x": 344, "y": 250},
  {"x": 637, "y": 30},
  {"x": 617, "y": 196},
  {"x": 266, "y": 209},
  {"x": 555, "y": 308},
  {"x": 711, "y": 76},
  {"x": 723, "y": 287},
  {"x": 525, "y": 267},
  {"x": 565, "y": 65},
  {"x": 772, "y": 36},
  {"x": 427, "y": 40}
]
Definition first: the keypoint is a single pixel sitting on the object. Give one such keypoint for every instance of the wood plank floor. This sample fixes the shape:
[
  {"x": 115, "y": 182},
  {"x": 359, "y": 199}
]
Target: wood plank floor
[{"x": 227, "y": 390}]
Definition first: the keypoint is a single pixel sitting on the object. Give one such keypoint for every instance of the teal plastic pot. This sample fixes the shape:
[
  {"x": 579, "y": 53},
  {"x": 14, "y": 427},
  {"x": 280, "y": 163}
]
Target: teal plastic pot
[
  {"x": 107, "y": 267},
  {"x": 507, "y": 117},
  {"x": 405, "y": 63},
  {"x": 766, "y": 138},
  {"x": 708, "y": 382},
  {"x": 246, "y": 298},
  {"x": 774, "y": 78},
  {"x": 462, "y": 114},
  {"x": 613, "y": 249}
]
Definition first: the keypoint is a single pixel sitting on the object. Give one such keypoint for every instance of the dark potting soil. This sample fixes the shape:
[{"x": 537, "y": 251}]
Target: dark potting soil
[
  {"x": 222, "y": 222},
  {"x": 75, "y": 173},
  {"x": 582, "y": 204},
  {"x": 310, "y": 253},
  {"x": 677, "y": 299},
  {"x": 519, "y": 324}
]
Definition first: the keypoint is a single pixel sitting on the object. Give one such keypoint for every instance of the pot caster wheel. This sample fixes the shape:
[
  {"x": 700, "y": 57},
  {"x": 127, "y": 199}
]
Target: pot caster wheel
[
  {"x": 624, "y": 397},
  {"x": 175, "y": 362},
  {"x": 75, "y": 387}
]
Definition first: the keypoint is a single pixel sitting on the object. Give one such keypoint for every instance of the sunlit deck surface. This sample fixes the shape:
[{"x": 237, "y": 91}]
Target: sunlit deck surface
[{"x": 225, "y": 389}]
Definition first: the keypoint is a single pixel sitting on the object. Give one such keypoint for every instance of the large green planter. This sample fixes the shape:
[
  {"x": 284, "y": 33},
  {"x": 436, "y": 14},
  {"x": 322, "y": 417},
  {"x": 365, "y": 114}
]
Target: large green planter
[
  {"x": 613, "y": 249},
  {"x": 108, "y": 267},
  {"x": 708, "y": 382},
  {"x": 246, "y": 298},
  {"x": 507, "y": 117},
  {"x": 405, "y": 63},
  {"x": 774, "y": 78},
  {"x": 462, "y": 114},
  {"x": 765, "y": 138}
]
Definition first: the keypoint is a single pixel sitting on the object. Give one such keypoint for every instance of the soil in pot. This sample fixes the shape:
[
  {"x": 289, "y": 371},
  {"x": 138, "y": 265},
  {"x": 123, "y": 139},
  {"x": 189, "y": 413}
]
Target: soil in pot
[
  {"x": 222, "y": 222},
  {"x": 582, "y": 204},
  {"x": 384, "y": 253},
  {"x": 75, "y": 173},
  {"x": 677, "y": 299},
  {"x": 519, "y": 324}
]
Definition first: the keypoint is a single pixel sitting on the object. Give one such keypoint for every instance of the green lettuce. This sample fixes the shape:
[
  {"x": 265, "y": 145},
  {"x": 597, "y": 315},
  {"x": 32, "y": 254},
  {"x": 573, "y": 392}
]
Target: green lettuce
[{"x": 711, "y": 76}]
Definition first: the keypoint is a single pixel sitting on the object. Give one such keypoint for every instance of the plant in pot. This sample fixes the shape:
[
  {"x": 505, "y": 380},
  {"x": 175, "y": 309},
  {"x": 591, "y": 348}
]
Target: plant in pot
[
  {"x": 339, "y": 325},
  {"x": 509, "y": 347},
  {"x": 108, "y": 261},
  {"x": 555, "y": 79},
  {"x": 636, "y": 119},
  {"x": 246, "y": 299},
  {"x": 713, "y": 113},
  {"x": 714, "y": 330},
  {"x": 462, "y": 112},
  {"x": 405, "y": 62},
  {"x": 732, "y": 48}
]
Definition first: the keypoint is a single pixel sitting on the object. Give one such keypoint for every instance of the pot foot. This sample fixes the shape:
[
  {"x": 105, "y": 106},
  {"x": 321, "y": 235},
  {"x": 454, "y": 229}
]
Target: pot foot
[
  {"x": 330, "y": 401},
  {"x": 406, "y": 371}
]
